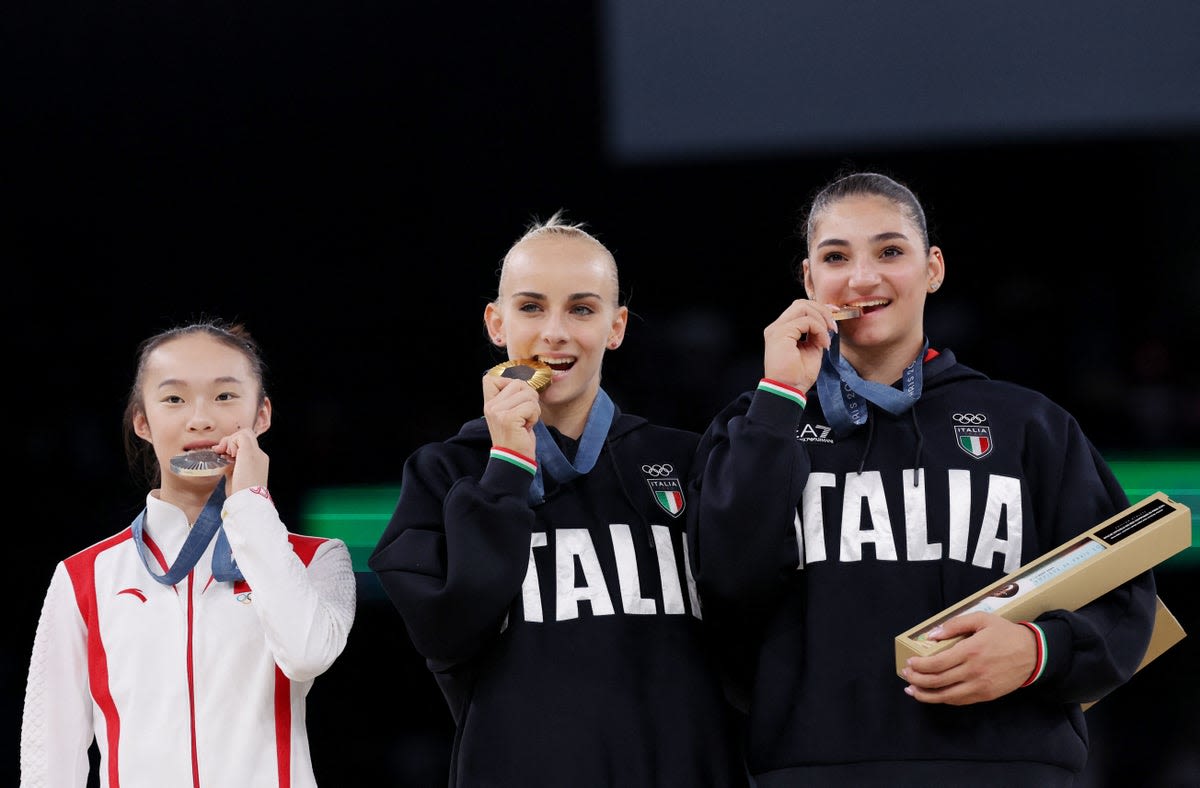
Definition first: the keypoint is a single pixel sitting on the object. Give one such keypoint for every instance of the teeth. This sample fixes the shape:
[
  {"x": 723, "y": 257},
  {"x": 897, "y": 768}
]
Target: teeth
[{"x": 557, "y": 363}]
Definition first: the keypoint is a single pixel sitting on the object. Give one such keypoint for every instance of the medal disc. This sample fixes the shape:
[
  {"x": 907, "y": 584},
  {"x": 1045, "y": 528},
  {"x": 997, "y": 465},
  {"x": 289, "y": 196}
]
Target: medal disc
[
  {"x": 202, "y": 462},
  {"x": 536, "y": 373}
]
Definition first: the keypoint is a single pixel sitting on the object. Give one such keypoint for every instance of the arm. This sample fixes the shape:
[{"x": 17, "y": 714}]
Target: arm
[
  {"x": 306, "y": 611},
  {"x": 752, "y": 469},
  {"x": 454, "y": 555},
  {"x": 1064, "y": 656},
  {"x": 751, "y": 475},
  {"x": 56, "y": 725},
  {"x": 1097, "y": 648}
]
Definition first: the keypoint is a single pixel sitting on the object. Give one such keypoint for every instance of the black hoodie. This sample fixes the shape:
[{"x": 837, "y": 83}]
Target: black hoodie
[
  {"x": 566, "y": 637},
  {"x": 840, "y": 543}
]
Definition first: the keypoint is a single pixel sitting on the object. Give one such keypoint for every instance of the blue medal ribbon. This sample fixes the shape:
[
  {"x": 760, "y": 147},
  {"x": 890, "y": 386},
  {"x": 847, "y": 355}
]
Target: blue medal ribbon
[
  {"x": 844, "y": 394},
  {"x": 554, "y": 463},
  {"x": 207, "y": 524}
]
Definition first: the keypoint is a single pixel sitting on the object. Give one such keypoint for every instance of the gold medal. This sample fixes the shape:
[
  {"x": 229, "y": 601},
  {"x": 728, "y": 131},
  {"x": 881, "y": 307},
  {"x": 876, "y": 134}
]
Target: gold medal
[{"x": 536, "y": 373}]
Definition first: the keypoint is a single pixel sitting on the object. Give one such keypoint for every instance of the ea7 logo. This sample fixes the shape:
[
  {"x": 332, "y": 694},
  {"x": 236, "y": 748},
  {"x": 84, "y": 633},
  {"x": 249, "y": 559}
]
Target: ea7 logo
[
  {"x": 668, "y": 493},
  {"x": 975, "y": 441},
  {"x": 814, "y": 433}
]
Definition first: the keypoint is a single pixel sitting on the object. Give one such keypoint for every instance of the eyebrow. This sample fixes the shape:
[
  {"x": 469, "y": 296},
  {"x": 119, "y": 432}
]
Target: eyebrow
[
  {"x": 888, "y": 236},
  {"x": 542, "y": 296},
  {"x": 177, "y": 382}
]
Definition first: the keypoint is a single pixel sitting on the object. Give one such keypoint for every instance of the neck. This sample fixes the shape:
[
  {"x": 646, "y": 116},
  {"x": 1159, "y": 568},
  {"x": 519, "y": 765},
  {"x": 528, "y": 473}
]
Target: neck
[
  {"x": 569, "y": 418},
  {"x": 189, "y": 497}
]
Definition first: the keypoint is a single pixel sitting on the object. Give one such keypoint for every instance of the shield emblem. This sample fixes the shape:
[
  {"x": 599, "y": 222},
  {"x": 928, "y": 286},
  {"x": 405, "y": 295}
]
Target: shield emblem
[
  {"x": 975, "y": 441},
  {"x": 668, "y": 493}
]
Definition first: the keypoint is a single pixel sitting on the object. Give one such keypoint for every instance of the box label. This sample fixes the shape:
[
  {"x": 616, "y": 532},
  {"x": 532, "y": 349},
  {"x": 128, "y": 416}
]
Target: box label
[{"x": 1135, "y": 521}]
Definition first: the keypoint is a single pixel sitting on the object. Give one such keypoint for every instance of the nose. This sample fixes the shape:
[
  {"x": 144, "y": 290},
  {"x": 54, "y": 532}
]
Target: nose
[
  {"x": 554, "y": 330},
  {"x": 863, "y": 273},
  {"x": 199, "y": 421}
]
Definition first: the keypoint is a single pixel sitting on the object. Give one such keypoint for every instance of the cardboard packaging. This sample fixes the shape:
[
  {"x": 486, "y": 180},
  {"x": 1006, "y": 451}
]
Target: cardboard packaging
[
  {"x": 1075, "y": 573},
  {"x": 1167, "y": 632}
]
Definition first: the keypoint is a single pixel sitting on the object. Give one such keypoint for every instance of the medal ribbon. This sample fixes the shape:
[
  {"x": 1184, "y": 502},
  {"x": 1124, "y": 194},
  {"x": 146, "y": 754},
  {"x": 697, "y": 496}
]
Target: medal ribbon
[
  {"x": 844, "y": 394},
  {"x": 555, "y": 464},
  {"x": 207, "y": 524}
]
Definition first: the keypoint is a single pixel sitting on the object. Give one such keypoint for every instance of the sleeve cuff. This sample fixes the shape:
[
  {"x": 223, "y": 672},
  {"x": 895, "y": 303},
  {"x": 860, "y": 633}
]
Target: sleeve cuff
[
  {"x": 519, "y": 460},
  {"x": 776, "y": 405},
  {"x": 1039, "y": 667},
  {"x": 508, "y": 472},
  {"x": 783, "y": 390}
]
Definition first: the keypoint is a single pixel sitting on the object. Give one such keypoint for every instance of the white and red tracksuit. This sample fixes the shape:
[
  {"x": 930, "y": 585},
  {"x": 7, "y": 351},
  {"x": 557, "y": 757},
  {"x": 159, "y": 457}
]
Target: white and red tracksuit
[{"x": 197, "y": 685}]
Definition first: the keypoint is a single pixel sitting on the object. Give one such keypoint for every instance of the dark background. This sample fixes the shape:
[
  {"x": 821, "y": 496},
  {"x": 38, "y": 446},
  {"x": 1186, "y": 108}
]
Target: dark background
[{"x": 346, "y": 177}]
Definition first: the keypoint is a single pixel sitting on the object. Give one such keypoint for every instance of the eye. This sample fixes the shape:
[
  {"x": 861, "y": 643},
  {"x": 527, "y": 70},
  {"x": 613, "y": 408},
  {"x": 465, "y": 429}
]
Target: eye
[
  {"x": 833, "y": 257},
  {"x": 173, "y": 399},
  {"x": 582, "y": 310},
  {"x": 226, "y": 396},
  {"x": 530, "y": 306},
  {"x": 892, "y": 251}
]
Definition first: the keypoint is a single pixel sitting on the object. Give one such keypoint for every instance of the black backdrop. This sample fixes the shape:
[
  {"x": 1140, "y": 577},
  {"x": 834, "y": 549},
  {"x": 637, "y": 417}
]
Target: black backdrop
[{"x": 345, "y": 180}]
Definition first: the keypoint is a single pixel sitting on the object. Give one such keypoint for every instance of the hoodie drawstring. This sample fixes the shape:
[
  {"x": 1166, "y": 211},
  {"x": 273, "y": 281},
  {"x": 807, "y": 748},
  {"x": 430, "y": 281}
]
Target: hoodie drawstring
[
  {"x": 920, "y": 442},
  {"x": 862, "y": 462}
]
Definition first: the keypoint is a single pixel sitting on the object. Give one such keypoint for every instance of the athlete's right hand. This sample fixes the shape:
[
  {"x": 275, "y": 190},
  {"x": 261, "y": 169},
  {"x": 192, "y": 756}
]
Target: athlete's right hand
[
  {"x": 788, "y": 359},
  {"x": 511, "y": 407}
]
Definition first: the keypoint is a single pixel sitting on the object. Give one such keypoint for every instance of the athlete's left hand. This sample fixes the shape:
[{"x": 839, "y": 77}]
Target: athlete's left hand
[
  {"x": 250, "y": 462},
  {"x": 994, "y": 657}
]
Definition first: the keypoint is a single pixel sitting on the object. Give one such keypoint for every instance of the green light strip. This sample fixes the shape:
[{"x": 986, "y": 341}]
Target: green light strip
[
  {"x": 358, "y": 515},
  {"x": 1179, "y": 479}
]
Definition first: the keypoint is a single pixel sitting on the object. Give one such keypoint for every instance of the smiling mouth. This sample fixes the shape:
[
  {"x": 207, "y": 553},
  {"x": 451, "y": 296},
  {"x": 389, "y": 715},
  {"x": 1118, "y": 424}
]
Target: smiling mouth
[
  {"x": 865, "y": 307},
  {"x": 558, "y": 364}
]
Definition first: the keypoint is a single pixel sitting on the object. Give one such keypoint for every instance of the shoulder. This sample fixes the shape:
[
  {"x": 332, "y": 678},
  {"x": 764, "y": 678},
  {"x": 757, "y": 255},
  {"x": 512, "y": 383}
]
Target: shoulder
[
  {"x": 468, "y": 448},
  {"x": 305, "y": 547},
  {"x": 88, "y": 554},
  {"x": 945, "y": 374},
  {"x": 1021, "y": 401},
  {"x": 636, "y": 428}
]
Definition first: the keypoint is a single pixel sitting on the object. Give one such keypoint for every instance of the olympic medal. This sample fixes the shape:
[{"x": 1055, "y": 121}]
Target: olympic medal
[
  {"x": 536, "y": 373},
  {"x": 841, "y": 313},
  {"x": 201, "y": 462}
]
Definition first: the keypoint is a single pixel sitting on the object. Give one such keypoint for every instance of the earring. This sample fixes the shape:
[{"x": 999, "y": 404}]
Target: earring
[{"x": 934, "y": 286}]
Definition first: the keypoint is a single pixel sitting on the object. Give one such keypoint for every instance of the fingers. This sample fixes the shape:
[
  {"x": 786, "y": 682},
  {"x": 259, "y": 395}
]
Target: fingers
[
  {"x": 794, "y": 342},
  {"x": 802, "y": 321},
  {"x": 994, "y": 658},
  {"x": 250, "y": 464},
  {"x": 511, "y": 407}
]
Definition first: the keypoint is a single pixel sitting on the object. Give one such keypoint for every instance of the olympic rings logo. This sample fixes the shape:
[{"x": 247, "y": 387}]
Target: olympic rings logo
[
  {"x": 658, "y": 470},
  {"x": 969, "y": 418}
]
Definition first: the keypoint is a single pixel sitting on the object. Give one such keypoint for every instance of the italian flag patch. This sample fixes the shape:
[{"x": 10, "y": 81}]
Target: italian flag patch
[
  {"x": 975, "y": 441},
  {"x": 668, "y": 493}
]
